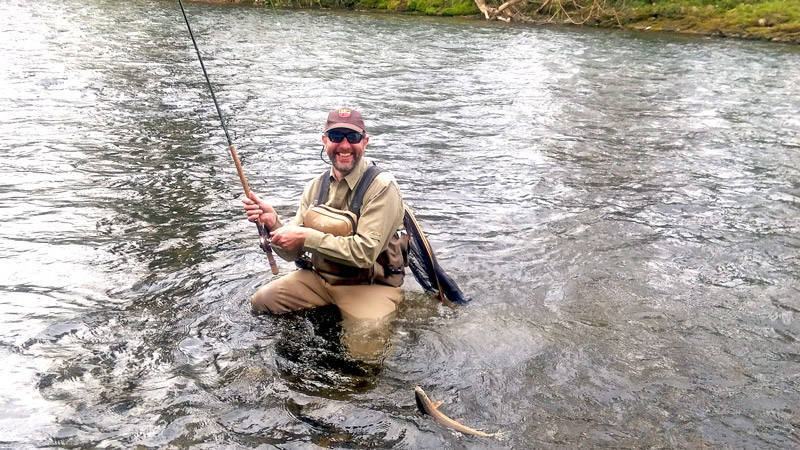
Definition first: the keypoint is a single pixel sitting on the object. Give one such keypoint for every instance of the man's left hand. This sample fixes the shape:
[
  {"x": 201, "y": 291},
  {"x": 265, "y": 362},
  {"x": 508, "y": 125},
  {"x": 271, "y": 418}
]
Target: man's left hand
[{"x": 290, "y": 237}]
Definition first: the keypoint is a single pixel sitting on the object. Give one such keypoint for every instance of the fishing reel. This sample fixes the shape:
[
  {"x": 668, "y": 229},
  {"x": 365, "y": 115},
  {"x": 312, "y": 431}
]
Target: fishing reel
[{"x": 263, "y": 238}]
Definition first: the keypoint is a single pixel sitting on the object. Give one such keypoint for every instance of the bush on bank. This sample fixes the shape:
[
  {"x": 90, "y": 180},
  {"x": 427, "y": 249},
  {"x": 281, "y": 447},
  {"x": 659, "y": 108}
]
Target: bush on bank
[
  {"x": 777, "y": 20},
  {"x": 427, "y": 7}
]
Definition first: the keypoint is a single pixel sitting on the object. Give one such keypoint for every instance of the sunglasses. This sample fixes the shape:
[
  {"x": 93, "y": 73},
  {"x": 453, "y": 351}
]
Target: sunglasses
[{"x": 337, "y": 136}]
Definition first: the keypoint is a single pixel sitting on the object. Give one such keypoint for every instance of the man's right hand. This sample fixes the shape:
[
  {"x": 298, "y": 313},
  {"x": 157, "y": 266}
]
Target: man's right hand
[{"x": 259, "y": 210}]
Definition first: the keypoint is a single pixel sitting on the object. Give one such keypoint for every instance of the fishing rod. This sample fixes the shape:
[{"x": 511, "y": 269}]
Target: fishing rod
[{"x": 263, "y": 232}]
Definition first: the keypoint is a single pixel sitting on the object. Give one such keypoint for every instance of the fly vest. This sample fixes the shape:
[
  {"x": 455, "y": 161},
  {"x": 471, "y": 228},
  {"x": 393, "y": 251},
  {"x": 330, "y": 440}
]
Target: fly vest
[{"x": 388, "y": 269}]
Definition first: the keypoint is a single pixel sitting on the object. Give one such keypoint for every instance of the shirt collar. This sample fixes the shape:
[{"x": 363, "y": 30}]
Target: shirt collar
[{"x": 353, "y": 177}]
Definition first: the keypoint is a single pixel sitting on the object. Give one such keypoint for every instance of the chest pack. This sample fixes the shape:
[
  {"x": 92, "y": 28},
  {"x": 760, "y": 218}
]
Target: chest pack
[
  {"x": 336, "y": 221},
  {"x": 389, "y": 268}
]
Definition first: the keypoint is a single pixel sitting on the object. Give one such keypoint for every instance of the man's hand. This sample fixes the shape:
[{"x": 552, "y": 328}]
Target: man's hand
[
  {"x": 290, "y": 237},
  {"x": 259, "y": 210}
]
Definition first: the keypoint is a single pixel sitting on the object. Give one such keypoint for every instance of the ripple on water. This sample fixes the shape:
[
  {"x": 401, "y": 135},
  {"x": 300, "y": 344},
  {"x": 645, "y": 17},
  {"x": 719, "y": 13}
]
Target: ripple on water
[{"x": 625, "y": 221}]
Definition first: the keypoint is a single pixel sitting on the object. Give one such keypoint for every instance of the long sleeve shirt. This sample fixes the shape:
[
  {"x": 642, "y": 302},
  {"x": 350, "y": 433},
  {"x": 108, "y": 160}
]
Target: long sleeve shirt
[{"x": 381, "y": 216}]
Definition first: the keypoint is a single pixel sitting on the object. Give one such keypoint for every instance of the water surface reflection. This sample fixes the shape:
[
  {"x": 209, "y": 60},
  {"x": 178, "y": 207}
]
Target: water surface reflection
[{"x": 623, "y": 208}]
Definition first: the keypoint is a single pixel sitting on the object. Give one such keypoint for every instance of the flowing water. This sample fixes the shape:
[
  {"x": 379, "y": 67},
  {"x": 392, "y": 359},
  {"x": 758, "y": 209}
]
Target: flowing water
[{"x": 624, "y": 210}]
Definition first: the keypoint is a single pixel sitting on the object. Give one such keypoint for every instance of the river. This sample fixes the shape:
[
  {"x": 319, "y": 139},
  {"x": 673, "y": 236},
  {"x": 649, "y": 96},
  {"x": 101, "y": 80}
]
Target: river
[{"x": 624, "y": 210}]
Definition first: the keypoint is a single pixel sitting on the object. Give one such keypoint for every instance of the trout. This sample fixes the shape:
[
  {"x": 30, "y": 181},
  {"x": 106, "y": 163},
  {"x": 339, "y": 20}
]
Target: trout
[{"x": 430, "y": 408}]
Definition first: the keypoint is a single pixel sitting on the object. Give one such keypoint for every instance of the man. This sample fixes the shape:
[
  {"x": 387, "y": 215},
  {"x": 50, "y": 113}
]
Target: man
[{"x": 353, "y": 259}]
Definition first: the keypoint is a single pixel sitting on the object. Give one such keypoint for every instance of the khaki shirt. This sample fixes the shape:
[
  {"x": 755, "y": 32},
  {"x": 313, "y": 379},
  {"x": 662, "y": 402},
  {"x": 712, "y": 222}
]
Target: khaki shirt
[{"x": 381, "y": 216}]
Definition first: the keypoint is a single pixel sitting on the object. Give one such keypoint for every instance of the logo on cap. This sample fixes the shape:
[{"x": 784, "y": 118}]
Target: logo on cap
[{"x": 344, "y": 113}]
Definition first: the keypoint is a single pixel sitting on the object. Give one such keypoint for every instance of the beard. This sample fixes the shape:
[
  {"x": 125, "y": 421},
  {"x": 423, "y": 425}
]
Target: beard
[{"x": 347, "y": 167}]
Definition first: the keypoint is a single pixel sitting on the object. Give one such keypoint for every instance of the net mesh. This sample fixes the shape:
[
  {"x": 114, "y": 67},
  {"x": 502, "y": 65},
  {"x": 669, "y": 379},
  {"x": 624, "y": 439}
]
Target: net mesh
[{"x": 424, "y": 266}]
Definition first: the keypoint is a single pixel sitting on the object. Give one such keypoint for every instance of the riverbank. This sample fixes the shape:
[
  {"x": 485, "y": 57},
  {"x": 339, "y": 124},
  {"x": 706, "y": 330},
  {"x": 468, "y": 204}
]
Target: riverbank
[{"x": 773, "y": 20}]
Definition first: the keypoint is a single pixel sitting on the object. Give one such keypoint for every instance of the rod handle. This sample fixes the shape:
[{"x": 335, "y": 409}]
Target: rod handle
[
  {"x": 272, "y": 264},
  {"x": 239, "y": 170},
  {"x": 264, "y": 233}
]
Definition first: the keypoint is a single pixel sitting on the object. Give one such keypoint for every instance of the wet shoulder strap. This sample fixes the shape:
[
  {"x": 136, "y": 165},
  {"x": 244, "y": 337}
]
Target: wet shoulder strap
[
  {"x": 361, "y": 188},
  {"x": 324, "y": 187}
]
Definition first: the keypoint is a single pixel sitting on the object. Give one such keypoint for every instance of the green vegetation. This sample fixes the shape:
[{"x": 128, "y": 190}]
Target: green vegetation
[
  {"x": 428, "y": 7},
  {"x": 771, "y": 19},
  {"x": 777, "y": 20}
]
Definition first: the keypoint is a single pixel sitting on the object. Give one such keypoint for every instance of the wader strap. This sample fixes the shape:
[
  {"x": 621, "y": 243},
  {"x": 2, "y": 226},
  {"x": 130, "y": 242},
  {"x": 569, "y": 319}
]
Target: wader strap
[
  {"x": 361, "y": 189},
  {"x": 358, "y": 195},
  {"x": 324, "y": 186}
]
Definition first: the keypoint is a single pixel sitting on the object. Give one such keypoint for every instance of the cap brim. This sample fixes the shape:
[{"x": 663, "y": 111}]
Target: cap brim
[{"x": 349, "y": 126}]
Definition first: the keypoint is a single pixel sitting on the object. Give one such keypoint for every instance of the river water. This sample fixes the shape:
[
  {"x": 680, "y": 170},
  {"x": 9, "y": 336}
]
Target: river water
[{"x": 624, "y": 210}]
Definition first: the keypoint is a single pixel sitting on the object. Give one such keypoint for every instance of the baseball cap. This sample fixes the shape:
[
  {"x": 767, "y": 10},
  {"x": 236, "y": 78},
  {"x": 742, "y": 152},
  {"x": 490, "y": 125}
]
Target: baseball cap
[{"x": 345, "y": 118}]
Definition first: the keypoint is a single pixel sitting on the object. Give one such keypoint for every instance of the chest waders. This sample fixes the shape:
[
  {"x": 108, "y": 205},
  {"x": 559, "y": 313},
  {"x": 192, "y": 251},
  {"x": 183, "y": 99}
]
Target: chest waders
[
  {"x": 388, "y": 269},
  {"x": 408, "y": 247}
]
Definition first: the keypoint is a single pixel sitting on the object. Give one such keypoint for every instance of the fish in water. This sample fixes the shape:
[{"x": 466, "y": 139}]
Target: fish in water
[{"x": 432, "y": 409}]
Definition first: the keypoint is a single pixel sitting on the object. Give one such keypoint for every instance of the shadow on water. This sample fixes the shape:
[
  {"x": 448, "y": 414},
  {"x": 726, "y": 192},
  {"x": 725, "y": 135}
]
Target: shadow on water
[{"x": 312, "y": 359}]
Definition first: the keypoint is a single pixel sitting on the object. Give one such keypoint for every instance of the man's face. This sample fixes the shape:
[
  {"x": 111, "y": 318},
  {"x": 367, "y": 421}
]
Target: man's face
[{"x": 344, "y": 155}]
